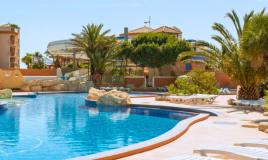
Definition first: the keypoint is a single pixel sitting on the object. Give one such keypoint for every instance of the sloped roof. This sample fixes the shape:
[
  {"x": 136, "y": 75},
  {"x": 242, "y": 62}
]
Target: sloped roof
[
  {"x": 166, "y": 29},
  {"x": 144, "y": 29},
  {"x": 65, "y": 48},
  {"x": 10, "y": 25}
]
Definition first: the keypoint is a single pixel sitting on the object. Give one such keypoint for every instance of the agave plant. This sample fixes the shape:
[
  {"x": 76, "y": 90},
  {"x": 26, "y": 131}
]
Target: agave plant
[{"x": 240, "y": 56}]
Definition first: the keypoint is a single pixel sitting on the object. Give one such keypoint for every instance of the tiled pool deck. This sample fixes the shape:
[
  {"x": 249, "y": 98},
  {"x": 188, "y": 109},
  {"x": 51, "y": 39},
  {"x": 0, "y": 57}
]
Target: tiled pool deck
[{"x": 225, "y": 129}]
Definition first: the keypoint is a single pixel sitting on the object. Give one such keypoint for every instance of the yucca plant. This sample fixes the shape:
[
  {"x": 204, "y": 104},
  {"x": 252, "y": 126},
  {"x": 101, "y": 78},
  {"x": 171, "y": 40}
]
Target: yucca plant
[{"x": 240, "y": 56}]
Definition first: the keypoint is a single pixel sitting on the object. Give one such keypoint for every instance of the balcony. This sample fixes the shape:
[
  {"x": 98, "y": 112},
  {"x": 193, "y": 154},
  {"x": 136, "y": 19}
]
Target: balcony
[
  {"x": 12, "y": 51},
  {"x": 12, "y": 40}
]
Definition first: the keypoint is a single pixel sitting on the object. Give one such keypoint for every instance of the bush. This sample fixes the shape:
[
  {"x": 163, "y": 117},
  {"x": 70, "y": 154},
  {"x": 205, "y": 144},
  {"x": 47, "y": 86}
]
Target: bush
[
  {"x": 196, "y": 81},
  {"x": 262, "y": 88},
  {"x": 83, "y": 65}
]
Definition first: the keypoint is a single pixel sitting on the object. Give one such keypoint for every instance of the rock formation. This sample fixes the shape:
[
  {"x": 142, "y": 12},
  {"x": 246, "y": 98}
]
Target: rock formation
[
  {"x": 113, "y": 97},
  {"x": 94, "y": 94},
  {"x": 5, "y": 93},
  {"x": 53, "y": 85}
]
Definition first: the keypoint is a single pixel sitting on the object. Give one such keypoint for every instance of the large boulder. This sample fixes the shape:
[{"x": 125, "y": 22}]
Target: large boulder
[
  {"x": 263, "y": 126},
  {"x": 73, "y": 85},
  {"x": 115, "y": 98},
  {"x": 12, "y": 79},
  {"x": 49, "y": 83},
  {"x": 82, "y": 87},
  {"x": 35, "y": 83},
  {"x": 25, "y": 88},
  {"x": 94, "y": 94},
  {"x": 36, "y": 88},
  {"x": 250, "y": 125},
  {"x": 5, "y": 93},
  {"x": 231, "y": 101},
  {"x": 58, "y": 87}
]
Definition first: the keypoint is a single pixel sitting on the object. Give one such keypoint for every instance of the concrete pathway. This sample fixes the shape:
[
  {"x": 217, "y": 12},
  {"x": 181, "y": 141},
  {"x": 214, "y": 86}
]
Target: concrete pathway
[{"x": 224, "y": 129}]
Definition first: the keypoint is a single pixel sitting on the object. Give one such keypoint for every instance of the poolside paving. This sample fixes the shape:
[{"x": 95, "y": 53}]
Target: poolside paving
[{"x": 225, "y": 129}]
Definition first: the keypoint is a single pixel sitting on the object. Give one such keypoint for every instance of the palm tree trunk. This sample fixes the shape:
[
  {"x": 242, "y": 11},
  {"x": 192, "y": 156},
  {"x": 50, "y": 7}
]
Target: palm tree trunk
[
  {"x": 88, "y": 72},
  {"x": 248, "y": 93}
]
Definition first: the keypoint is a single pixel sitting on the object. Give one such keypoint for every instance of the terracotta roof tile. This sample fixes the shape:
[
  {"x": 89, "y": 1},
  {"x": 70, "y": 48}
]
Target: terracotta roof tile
[
  {"x": 139, "y": 31},
  {"x": 166, "y": 29},
  {"x": 163, "y": 29}
]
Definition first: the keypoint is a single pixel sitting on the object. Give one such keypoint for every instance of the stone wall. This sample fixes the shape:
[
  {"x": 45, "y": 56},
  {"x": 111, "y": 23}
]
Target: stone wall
[{"x": 54, "y": 85}]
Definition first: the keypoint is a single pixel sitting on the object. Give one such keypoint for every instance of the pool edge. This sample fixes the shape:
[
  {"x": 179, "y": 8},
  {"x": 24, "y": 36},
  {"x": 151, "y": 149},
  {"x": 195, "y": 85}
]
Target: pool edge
[{"x": 175, "y": 133}]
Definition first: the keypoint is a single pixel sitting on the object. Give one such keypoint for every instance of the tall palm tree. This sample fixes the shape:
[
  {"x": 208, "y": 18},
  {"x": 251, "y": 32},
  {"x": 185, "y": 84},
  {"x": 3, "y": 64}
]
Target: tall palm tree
[
  {"x": 38, "y": 57},
  {"x": 97, "y": 45},
  {"x": 106, "y": 51},
  {"x": 235, "y": 54},
  {"x": 38, "y": 60}
]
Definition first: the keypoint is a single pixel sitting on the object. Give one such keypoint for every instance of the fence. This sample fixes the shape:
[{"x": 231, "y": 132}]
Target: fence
[
  {"x": 162, "y": 81},
  {"x": 135, "y": 82}
]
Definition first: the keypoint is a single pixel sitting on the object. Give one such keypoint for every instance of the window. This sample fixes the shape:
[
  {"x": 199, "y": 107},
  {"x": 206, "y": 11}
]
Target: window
[{"x": 188, "y": 66}]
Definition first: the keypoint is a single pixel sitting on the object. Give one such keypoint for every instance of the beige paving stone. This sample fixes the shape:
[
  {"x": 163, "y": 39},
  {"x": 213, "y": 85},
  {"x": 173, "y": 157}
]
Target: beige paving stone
[{"x": 225, "y": 129}]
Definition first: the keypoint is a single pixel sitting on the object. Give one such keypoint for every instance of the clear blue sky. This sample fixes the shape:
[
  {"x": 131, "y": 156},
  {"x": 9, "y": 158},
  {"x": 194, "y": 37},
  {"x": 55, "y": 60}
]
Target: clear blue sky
[{"x": 50, "y": 20}]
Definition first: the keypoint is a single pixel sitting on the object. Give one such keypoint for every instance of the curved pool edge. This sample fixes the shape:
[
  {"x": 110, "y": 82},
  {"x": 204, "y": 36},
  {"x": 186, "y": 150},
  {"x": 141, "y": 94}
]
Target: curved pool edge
[{"x": 176, "y": 132}]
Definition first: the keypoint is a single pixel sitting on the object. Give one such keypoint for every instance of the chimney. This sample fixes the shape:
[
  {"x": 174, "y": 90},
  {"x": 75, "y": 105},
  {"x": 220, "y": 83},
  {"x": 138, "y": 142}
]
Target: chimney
[{"x": 126, "y": 34}]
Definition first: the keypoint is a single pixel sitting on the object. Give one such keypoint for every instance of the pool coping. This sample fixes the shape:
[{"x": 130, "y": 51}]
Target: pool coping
[{"x": 173, "y": 134}]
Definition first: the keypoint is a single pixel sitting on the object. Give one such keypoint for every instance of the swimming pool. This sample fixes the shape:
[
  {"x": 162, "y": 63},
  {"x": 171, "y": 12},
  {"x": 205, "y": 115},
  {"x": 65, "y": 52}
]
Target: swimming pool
[{"x": 60, "y": 126}]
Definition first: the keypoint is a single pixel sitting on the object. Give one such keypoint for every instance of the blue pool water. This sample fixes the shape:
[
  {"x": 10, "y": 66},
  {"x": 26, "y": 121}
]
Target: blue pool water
[{"x": 60, "y": 126}]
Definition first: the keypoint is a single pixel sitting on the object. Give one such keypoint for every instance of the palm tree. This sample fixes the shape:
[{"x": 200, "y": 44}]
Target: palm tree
[
  {"x": 236, "y": 54},
  {"x": 97, "y": 45},
  {"x": 28, "y": 60},
  {"x": 104, "y": 54}
]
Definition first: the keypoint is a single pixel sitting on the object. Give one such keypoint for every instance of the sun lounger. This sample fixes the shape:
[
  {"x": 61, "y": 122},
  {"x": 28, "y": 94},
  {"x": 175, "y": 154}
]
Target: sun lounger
[
  {"x": 225, "y": 91},
  {"x": 190, "y": 157},
  {"x": 234, "y": 152},
  {"x": 257, "y": 143}
]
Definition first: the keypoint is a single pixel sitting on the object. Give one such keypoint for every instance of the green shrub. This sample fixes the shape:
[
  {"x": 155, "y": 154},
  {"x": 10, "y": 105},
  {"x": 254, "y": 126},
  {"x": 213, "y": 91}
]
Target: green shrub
[
  {"x": 196, "y": 81},
  {"x": 83, "y": 65}
]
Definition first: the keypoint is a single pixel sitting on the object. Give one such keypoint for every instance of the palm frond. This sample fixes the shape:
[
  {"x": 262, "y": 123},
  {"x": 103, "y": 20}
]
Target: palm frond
[
  {"x": 224, "y": 32},
  {"x": 234, "y": 18}
]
